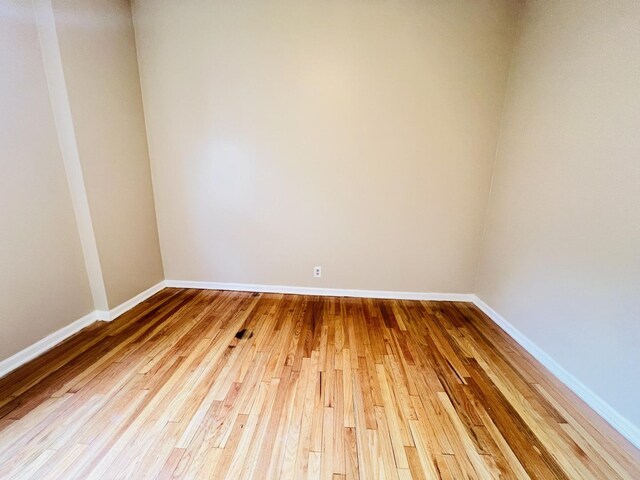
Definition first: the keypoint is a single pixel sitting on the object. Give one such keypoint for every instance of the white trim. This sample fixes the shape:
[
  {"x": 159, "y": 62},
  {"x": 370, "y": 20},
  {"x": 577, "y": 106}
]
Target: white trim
[
  {"x": 47, "y": 343},
  {"x": 602, "y": 408},
  {"x": 63, "y": 119},
  {"x": 50, "y": 341},
  {"x": 114, "y": 313},
  {"x": 326, "y": 292}
]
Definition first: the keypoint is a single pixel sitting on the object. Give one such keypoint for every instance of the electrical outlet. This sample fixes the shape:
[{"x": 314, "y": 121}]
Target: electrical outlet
[{"x": 317, "y": 272}]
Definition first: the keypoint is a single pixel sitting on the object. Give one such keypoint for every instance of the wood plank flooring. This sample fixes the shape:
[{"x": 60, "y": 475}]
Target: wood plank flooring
[{"x": 207, "y": 384}]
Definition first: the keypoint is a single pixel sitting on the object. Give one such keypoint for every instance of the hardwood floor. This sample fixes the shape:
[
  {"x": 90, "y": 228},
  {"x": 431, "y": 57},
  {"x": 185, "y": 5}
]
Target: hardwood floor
[{"x": 207, "y": 384}]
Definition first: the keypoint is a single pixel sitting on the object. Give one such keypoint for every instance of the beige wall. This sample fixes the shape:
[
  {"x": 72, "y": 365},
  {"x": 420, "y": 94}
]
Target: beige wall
[
  {"x": 561, "y": 257},
  {"x": 358, "y": 136},
  {"x": 43, "y": 281},
  {"x": 78, "y": 231},
  {"x": 98, "y": 55}
]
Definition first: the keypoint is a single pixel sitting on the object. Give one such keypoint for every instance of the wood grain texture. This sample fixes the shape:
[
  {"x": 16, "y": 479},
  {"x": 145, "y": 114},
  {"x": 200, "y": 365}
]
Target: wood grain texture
[{"x": 316, "y": 387}]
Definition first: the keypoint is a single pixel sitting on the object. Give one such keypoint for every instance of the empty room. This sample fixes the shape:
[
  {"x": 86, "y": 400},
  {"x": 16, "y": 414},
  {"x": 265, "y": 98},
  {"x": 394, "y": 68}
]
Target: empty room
[{"x": 320, "y": 239}]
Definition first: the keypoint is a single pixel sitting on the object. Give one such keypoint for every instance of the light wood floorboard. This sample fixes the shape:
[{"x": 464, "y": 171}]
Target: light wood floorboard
[{"x": 208, "y": 384}]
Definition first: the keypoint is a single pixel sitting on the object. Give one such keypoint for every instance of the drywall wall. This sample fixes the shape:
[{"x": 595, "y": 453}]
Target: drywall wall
[
  {"x": 43, "y": 281},
  {"x": 68, "y": 146},
  {"x": 358, "y": 136},
  {"x": 561, "y": 257},
  {"x": 98, "y": 54}
]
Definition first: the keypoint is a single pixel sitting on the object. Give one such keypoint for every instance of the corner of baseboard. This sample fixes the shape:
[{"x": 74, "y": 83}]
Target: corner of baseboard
[
  {"x": 53, "y": 339},
  {"x": 620, "y": 423},
  {"x": 109, "y": 316}
]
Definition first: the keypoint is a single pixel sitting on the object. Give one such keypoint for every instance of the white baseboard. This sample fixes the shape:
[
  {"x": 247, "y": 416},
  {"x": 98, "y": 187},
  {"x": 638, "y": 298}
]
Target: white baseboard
[
  {"x": 602, "y": 408},
  {"x": 114, "y": 313},
  {"x": 48, "y": 342},
  {"x": 326, "y": 292}
]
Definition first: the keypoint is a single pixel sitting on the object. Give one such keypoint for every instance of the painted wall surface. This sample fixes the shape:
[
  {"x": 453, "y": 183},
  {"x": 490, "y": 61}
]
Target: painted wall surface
[
  {"x": 561, "y": 255},
  {"x": 358, "y": 136},
  {"x": 98, "y": 52},
  {"x": 43, "y": 281}
]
